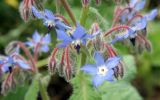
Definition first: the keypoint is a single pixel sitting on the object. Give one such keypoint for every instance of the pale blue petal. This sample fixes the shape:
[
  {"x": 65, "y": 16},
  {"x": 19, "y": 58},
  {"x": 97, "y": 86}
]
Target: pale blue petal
[
  {"x": 84, "y": 41},
  {"x": 46, "y": 39},
  {"x": 98, "y": 58},
  {"x": 49, "y": 15},
  {"x": 37, "y": 13},
  {"x": 36, "y": 37},
  {"x": 141, "y": 24},
  {"x": 98, "y": 80},
  {"x": 5, "y": 67},
  {"x": 29, "y": 43},
  {"x": 90, "y": 69},
  {"x": 109, "y": 75},
  {"x": 79, "y": 32},
  {"x": 87, "y": 36},
  {"x": 64, "y": 44},
  {"x": 44, "y": 48},
  {"x": 23, "y": 64},
  {"x": 140, "y": 5},
  {"x": 133, "y": 3},
  {"x": 61, "y": 35},
  {"x": 152, "y": 14},
  {"x": 120, "y": 37},
  {"x": 112, "y": 62},
  {"x": 62, "y": 26}
]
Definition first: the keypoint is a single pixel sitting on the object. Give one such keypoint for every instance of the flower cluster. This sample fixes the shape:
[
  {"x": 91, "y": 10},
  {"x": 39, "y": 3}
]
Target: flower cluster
[
  {"x": 130, "y": 15},
  {"x": 75, "y": 40}
]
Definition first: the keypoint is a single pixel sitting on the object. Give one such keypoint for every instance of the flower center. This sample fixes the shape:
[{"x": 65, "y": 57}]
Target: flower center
[
  {"x": 102, "y": 70},
  {"x": 76, "y": 44},
  {"x": 50, "y": 23}
]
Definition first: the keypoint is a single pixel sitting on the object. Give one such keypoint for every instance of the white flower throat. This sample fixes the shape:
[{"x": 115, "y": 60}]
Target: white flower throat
[
  {"x": 76, "y": 42},
  {"x": 50, "y": 23},
  {"x": 102, "y": 70}
]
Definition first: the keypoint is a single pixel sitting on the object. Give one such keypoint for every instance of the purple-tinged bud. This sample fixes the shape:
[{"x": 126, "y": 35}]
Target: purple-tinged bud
[
  {"x": 148, "y": 46},
  {"x": 68, "y": 73},
  {"x": 95, "y": 28},
  {"x": 85, "y": 3},
  {"x": 26, "y": 8},
  {"x": 52, "y": 62}
]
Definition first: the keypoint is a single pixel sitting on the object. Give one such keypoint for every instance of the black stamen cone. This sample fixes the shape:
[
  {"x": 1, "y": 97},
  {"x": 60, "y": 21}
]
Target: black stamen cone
[
  {"x": 10, "y": 69},
  {"x": 133, "y": 41},
  {"x": 77, "y": 47}
]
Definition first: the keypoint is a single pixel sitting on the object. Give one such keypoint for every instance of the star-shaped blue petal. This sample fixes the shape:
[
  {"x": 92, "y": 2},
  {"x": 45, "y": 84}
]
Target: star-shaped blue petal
[
  {"x": 102, "y": 70},
  {"x": 78, "y": 35},
  {"x": 44, "y": 41},
  {"x": 49, "y": 20}
]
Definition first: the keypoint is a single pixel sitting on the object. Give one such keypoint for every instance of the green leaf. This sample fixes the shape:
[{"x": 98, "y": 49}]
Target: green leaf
[
  {"x": 130, "y": 68},
  {"x": 17, "y": 95},
  {"x": 118, "y": 91},
  {"x": 83, "y": 89},
  {"x": 33, "y": 90}
]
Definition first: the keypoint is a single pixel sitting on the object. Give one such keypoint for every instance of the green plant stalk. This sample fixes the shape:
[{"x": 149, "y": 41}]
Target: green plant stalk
[
  {"x": 84, "y": 15},
  {"x": 42, "y": 63},
  {"x": 57, "y": 6},
  {"x": 68, "y": 9},
  {"x": 79, "y": 62},
  {"x": 43, "y": 91}
]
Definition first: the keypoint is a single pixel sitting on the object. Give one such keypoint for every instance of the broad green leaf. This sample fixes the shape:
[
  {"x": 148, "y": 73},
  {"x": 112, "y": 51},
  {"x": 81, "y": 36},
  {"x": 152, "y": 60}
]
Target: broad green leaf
[
  {"x": 119, "y": 91},
  {"x": 17, "y": 95},
  {"x": 129, "y": 67}
]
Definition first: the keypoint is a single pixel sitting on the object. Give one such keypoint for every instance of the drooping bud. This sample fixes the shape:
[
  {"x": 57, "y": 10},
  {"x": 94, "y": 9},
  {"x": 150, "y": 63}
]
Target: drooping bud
[
  {"x": 52, "y": 62},
  {"x": 85, "y": 3},
  {"x": 26, "y": 8},
  {"x": 11, "y": 48},
  {"x": 148, "y": 46}
]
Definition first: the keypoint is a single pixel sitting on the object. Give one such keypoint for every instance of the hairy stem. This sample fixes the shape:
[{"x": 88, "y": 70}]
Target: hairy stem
[
  {"x": 27, "y": 52},
  {"x": 68, "y": 9},
  {"x": 84, "y": 15}
]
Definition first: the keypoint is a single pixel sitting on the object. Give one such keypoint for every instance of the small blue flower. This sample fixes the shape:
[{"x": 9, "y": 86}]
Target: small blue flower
[
  {"x": 135, "y": 6},
  {"x": 151, "y": 15},
  {"x": 44, "y": 41},
  {"x": 7, "y": 63},
  {"x": 124, "y": 35},
  {"x": 76, "y": 38},
  {"x": 102, "y": 70},
  {"x": 49, "y": 20}
]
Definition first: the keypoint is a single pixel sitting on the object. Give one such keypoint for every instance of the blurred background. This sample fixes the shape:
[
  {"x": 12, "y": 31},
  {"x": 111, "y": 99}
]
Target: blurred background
[{"x": 147, "y": 79}]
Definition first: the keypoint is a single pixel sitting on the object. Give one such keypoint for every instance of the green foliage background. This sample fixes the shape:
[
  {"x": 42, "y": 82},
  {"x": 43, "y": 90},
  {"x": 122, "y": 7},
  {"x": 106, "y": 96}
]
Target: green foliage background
[{"x": 142, "y": 71}]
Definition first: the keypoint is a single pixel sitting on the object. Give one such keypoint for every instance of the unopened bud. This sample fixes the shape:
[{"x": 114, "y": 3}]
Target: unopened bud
[{"x": 85, "y": 3}]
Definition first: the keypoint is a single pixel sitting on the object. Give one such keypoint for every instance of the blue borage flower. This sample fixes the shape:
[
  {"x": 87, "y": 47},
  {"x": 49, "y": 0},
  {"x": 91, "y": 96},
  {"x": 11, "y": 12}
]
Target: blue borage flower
[
  {"x": 49, "y": 20},
  {"x": 102, "y": 70},
  {"x": 132, "y": 32},
  {"x": 134, "y": 7},
  {"x": 7, "y": 63},
  {"x": 44, "y": 41},
  {"x": 76, "y": 38}
]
